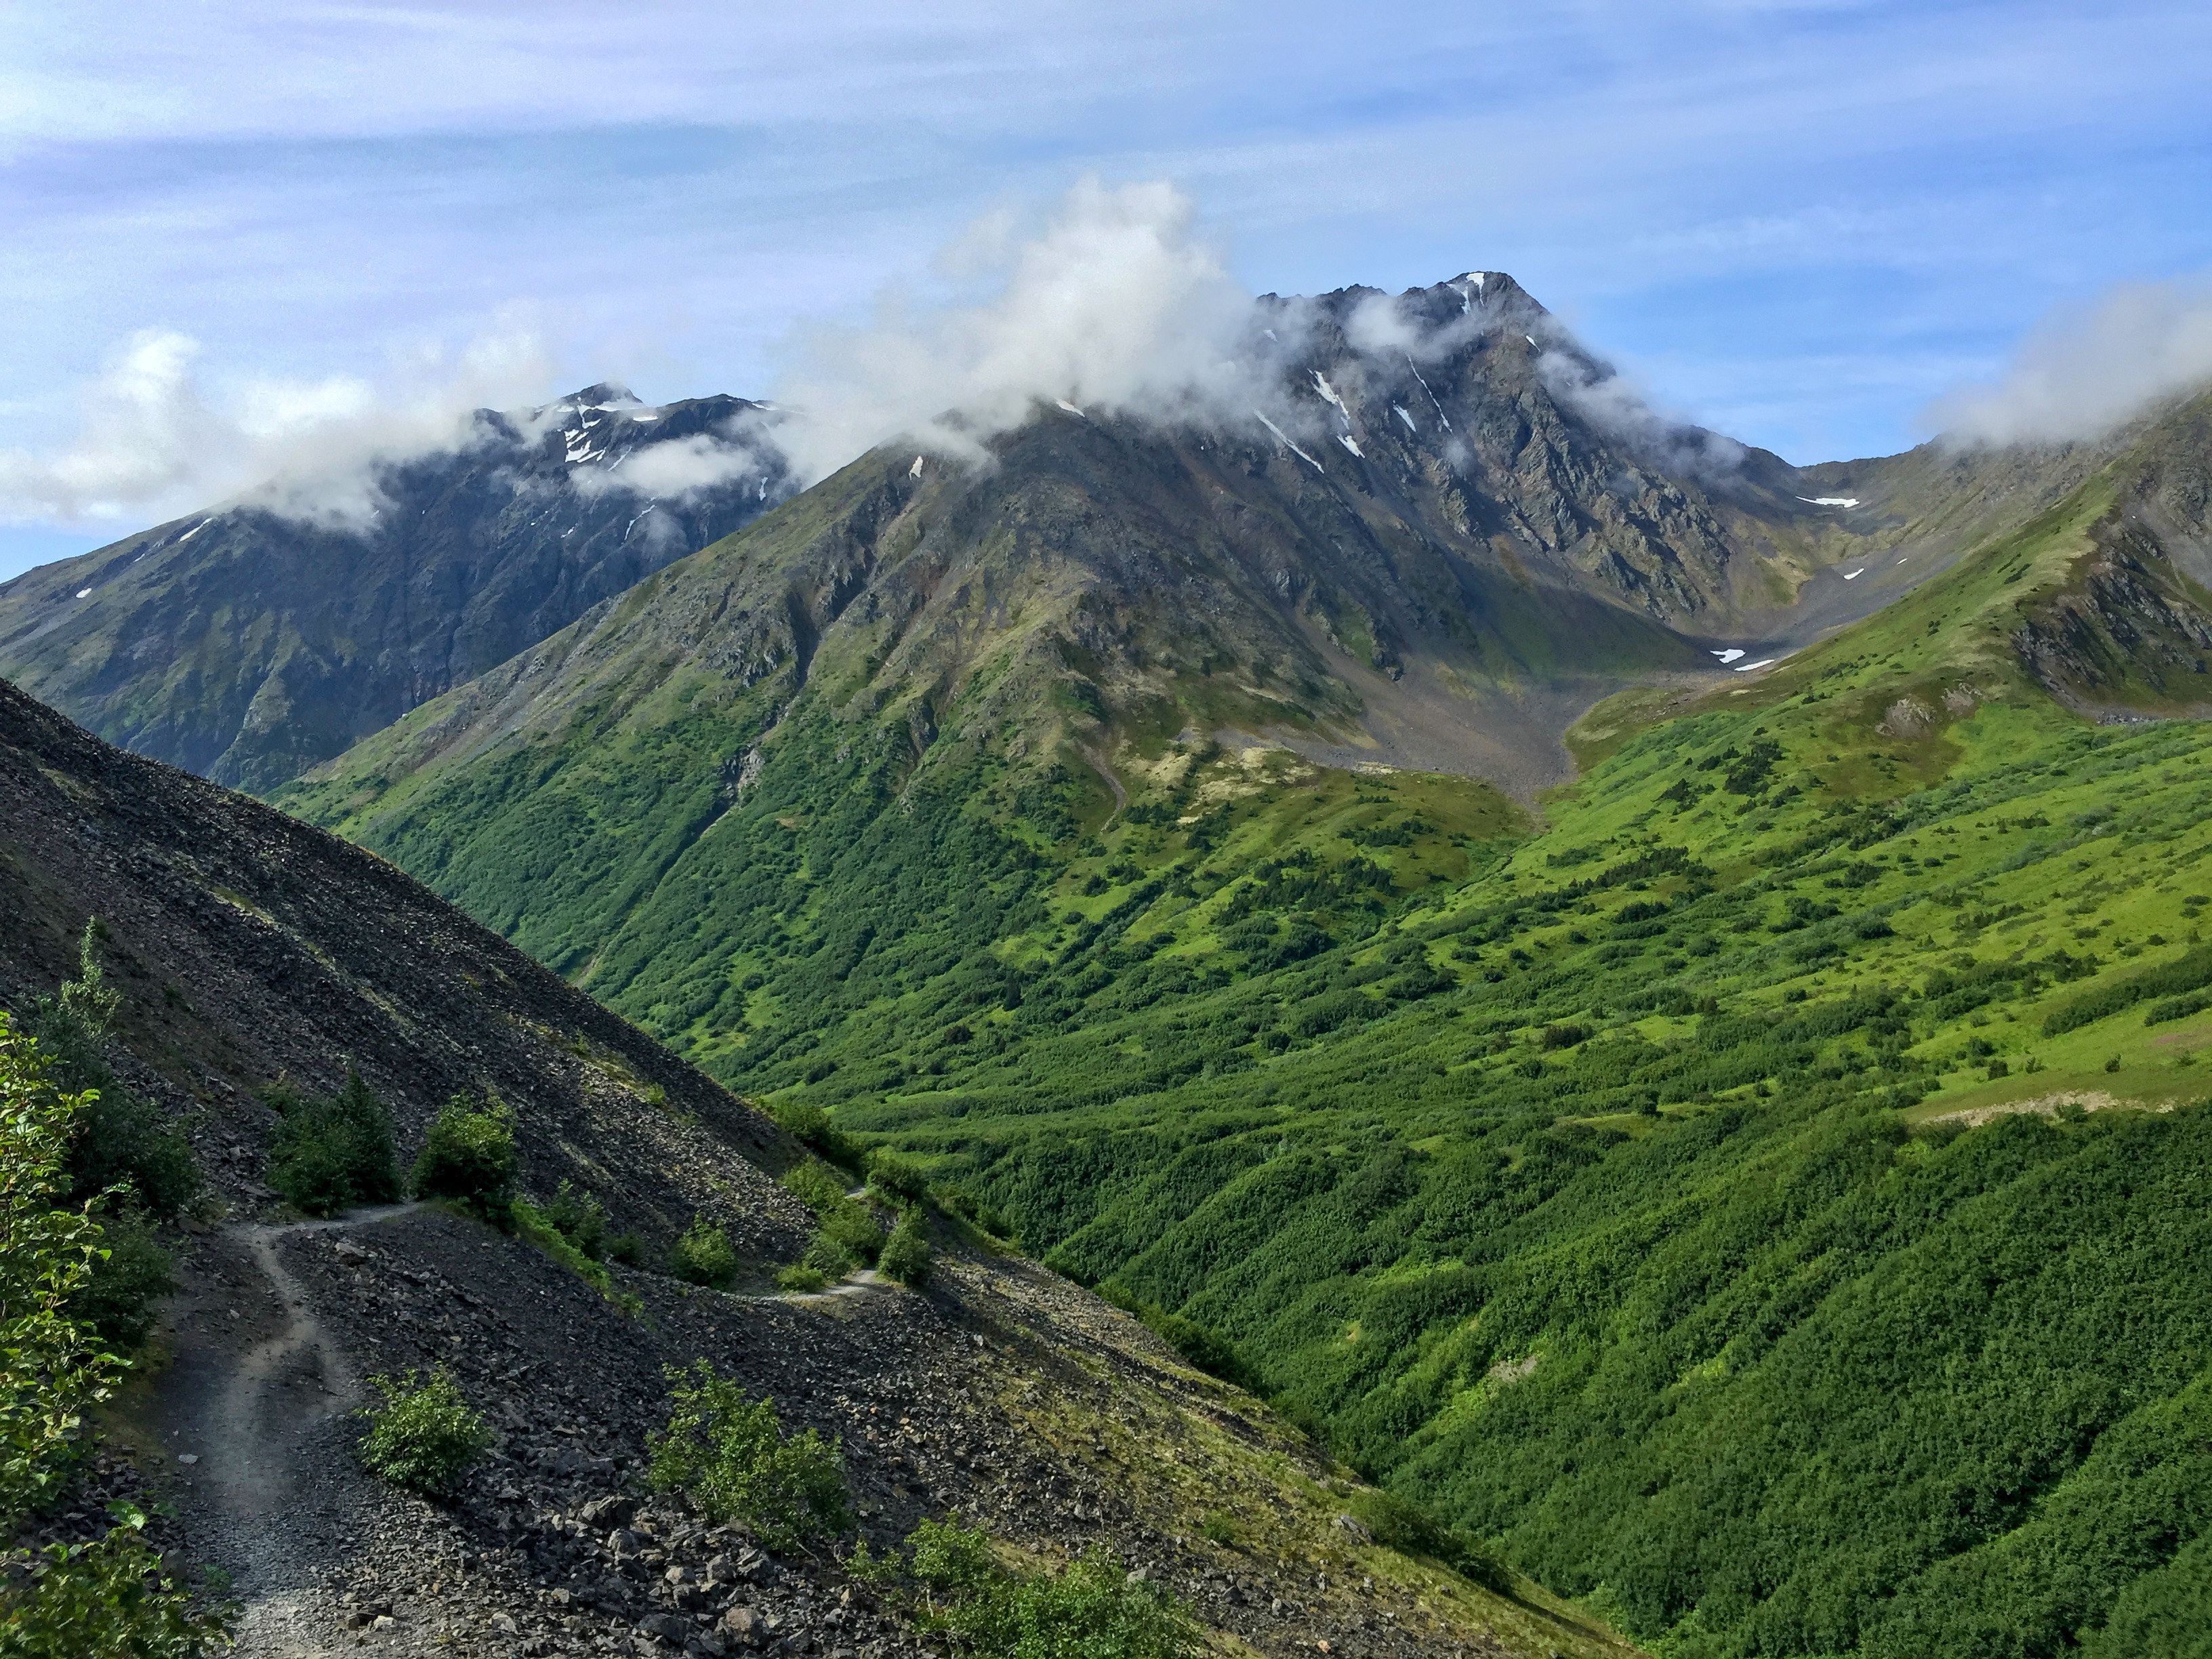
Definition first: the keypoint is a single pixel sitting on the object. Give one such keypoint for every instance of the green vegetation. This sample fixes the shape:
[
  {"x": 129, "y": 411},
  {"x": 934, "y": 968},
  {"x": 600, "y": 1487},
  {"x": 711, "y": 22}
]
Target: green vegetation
[
  {"x": 112, "y": 1595},
  {"x": 424, "y": 1436},
  {"x": 905, "y": 1258},
  {"x": 846, "y": 1223},
  {"x": 1766, "y": 1200},
  {"x": 801, "y": 1279},
  {"x": 330, "y": 1155},
  {"x": 119, "y": 1145},
  {"x": 1091, "y": 1609},
  {"x": 703, "y": 1255},
  {"x": 729, "y": 1456},
  {"x": 468, "y": 1159}
]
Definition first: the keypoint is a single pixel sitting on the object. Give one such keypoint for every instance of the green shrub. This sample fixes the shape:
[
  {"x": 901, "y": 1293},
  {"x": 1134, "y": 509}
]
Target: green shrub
[
  {"x": 1090, "y": 1610},
  {"x": 115, "y": 1138},
  {"x": 1207, "y": 1349},
  {"x": 827, "y": 1257},
  {"x": 330, "y": 1155},
  {"x": 801, "y": 1279},
  {"x": 422, "y": 1437},
  {"x": 810, "y": 1126},
  {"x": 975, "y": 1211},
  {"x": 110, "y": 1595},
  {"x": 116, "y": 1298},
  {"x": 703, "y": 1255},
  {"x": 729, "y": 1454},
  {"x": 905, "y": 1255},
  {"x": 468, "y": 1157},
  {"x": 1410, "y": 1530},
  {"x": 578, "y": 1219},
  {"x": 844, "y": 1219},
  {"x": 627, "y": 1248},
  {"x": 897, "y": 1177}
]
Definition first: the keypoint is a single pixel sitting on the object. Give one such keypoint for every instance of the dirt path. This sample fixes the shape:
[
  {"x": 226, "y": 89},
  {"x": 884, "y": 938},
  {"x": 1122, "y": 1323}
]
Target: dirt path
[{"x": 257, "y": 1396}]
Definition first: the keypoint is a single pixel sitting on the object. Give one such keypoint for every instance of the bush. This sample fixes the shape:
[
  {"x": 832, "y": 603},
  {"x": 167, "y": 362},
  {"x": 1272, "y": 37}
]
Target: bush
[
  {"x": 577, "y": 1218},
  {"x": 422, "y": 1437},
  {"x": 801, "y": 1279},
  {"x": 1090, "y": 1610},
  {"x": 330, "y": 1155},
  {"x": 109, "y": 1596},
  {"x": 627, "y": 1248},
  {"x": 115, "y": 1138},
  {"x": 844, "y": 1219},
  {"x": 729, "y": 1454},
  {"x": 897, "y": 1177},
  {"x": 1207, "y": 1349},
  {"x": 975, "y": 1211},
  {"x": 468, "y": 1158},
  {"x": 116, "y": 1298},
  {"x": 827, "y": 1257},
  {"x": 1401, "y": 1526},
  {"x": 905, "y": 1257},
  {"x": 703, "y": 1255}
]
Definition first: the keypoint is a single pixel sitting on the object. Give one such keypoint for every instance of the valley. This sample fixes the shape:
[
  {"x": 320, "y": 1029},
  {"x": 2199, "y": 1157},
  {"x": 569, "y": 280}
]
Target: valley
[{"x": 1632, "y": 1011}]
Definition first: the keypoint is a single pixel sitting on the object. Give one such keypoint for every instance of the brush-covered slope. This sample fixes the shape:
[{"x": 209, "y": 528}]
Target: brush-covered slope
[
  {"x": 249, "y": 949},
  {"x": 1770, "y": 1200},
  {"x": 248, "y": 645}
]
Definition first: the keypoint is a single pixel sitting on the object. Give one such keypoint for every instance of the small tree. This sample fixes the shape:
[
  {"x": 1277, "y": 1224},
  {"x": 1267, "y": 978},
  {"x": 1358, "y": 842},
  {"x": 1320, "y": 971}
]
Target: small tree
[
  {"x": 109, "y": 1596},
  {"x": 703, "y": 1255},
  {"x": 468, "y": 1157},
  {"x": 424, "y": 1437},
  {"x": 330, "y": 1155},
  {"x": 905, "y": 1256},
  {"x": 116, "y": 1140},
  {"x": 578, "y": 1218},
  {"x": 729, "y": 1454}
]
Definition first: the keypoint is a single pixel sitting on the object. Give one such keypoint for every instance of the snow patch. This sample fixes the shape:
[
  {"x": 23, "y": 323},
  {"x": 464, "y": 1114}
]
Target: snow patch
[
  {"x": 1347, "y": 442},
  {"x": 1531, "y": 339},
  {"x": 1400, "y": 413},
  {"x": 84, "y": 592},
  {"x": 193, "y": 532},
  {"x": 1328, "y": 393},
  {"x": 1285, "y": 441},
  {"x": 1441, "y": 415},
  {"x": 1730, "y": 654},
  {"x": 915, "y": 471},
  {"x": 1853, "y": 575},
  {"x": 1070, "y": 409},
  {"x": 1830, "y": 501},
  {"x": 1764, "y": 662}
]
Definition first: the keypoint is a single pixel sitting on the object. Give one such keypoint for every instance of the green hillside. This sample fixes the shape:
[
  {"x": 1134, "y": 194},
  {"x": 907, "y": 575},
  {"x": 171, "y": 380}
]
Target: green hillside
[{"x": 1765, "y": 1191}]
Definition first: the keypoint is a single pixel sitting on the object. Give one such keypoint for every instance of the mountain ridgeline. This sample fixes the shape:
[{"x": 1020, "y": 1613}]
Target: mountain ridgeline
[{"x": 247, "y": 643}]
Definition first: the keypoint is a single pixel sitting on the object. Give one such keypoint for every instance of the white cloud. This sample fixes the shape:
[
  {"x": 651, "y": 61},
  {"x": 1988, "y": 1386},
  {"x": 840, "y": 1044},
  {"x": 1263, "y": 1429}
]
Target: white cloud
[
  {"x": 2085, "y": 369},
  {"x": 677, "y": 468},
  {"x": 151, "y": 440},
  {"x": 1116, "y": 304}
]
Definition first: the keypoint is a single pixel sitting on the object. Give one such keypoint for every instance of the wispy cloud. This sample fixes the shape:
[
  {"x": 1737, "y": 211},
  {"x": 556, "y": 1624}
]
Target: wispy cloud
[
  {"x": 2087, "y": 369},
  {"x": 150, "y": 436}
]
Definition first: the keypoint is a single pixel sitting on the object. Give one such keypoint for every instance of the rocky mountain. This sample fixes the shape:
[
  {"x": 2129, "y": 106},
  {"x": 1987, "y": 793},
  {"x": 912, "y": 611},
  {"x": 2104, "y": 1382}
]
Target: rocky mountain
[
  {"x": 251, "y": 950},
  {"x": 247, "y": 642}
]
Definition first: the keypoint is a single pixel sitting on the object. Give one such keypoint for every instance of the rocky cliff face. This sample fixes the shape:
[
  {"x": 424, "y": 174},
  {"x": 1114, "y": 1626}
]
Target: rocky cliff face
[{"x": 246, "y": 646}]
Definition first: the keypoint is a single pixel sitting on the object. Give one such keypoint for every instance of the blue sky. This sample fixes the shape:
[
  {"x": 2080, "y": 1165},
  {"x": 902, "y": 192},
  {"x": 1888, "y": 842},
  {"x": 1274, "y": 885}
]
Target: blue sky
[{"x": 1798, "y": 222}]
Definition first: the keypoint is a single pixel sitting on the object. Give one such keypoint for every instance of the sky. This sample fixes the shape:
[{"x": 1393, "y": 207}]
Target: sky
[{"x": 1815, "y": 225}]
